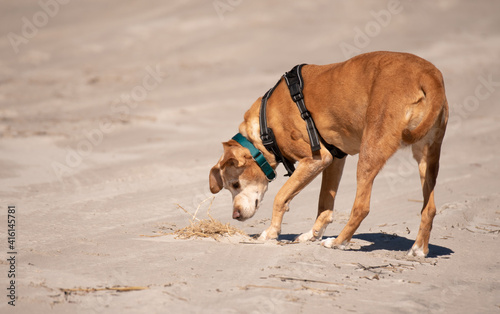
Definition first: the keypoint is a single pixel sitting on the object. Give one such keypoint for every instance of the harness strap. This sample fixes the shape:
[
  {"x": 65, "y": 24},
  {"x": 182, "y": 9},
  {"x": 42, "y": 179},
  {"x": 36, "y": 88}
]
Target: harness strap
[
  {"x": 295, "y": 85},
  {"x": 334, "y": 150},
  {"x": 267, "y": 134}
]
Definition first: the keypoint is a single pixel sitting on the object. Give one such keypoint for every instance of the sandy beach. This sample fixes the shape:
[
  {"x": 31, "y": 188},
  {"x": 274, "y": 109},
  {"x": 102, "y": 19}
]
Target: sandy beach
[{"x": 112, "y": 114}]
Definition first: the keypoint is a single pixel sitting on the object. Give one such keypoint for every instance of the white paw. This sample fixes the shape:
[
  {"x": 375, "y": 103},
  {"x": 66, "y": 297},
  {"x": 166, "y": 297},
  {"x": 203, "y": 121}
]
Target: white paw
[
  {"x": 269, "y": 234},
  {"x": 263, "y": 236},
  {"x": 305, "y": 237},
  {"x": 329, "y": 243},
  {"x": 416, "y": 251}
]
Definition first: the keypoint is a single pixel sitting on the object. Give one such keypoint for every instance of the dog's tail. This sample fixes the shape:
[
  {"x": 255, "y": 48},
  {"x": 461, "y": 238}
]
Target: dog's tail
[{"x": 434, "y": 98}]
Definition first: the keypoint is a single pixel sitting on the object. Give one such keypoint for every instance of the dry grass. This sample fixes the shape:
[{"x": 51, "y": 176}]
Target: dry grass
[
  {"x": 115, "y": 288},
  {"x": 206, "y": 228}
]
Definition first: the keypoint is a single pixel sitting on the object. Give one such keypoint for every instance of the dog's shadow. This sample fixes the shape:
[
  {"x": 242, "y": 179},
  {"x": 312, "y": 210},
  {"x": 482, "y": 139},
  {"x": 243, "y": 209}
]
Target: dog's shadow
[{"x": 384, "y": 241}]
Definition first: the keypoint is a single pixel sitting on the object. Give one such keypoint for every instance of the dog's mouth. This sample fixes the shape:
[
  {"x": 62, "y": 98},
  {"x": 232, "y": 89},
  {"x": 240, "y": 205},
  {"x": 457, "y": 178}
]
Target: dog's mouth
[
  {"x": 244, "y": 214},
  {"x": 239, "y": 216}
]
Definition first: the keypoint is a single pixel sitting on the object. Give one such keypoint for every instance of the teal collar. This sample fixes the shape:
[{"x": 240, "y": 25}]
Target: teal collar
[{"x": 257, "y": 156}]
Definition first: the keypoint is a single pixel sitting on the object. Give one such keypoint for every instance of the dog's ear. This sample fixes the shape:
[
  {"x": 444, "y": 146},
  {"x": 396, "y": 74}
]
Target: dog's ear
[
  {"x": 234, "y": 155},
  {"x": 215, "y": 179}
]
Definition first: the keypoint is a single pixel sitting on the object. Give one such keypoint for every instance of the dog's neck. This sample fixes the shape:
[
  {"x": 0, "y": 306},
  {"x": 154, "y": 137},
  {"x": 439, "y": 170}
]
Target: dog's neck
[{"x": 250, "y": 129}]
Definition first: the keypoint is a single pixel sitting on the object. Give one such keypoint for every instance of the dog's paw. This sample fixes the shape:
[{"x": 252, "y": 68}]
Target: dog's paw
[
  {"x": 312, "y": 235},
  {"x": 330, "y": 243},
  {"x": 305, "y": 237},
  {"x": 268, "y": 234},
  {"x": 417, "y": 251}
]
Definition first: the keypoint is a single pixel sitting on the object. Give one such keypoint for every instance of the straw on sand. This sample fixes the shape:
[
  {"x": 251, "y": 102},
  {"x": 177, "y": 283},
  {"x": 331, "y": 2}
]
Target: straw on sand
[
  {"x": 115, "y": 288},
  {"x": 206, "y": 228}
]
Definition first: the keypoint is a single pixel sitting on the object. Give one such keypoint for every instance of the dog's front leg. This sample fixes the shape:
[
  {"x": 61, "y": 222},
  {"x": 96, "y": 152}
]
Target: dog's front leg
[
  {"x": 306, "y": 171},
  {"x": 329, "y": 186}
]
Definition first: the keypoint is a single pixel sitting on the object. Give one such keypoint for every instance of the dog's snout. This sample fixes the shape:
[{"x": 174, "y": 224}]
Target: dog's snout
[{"x": 236, "y": 214}]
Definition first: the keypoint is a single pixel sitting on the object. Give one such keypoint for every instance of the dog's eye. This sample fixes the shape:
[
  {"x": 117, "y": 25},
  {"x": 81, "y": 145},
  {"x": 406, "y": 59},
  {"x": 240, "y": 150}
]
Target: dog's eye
[{"x": 236, "y": 185}]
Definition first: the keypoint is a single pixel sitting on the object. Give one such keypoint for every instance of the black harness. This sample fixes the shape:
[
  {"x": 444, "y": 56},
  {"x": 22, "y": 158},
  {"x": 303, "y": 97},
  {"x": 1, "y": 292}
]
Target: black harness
[{"x": 295, "y": 84}]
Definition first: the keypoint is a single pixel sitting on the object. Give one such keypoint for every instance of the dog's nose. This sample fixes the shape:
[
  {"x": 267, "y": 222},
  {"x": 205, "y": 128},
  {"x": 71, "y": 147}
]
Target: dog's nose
[{"x": 236, "y": 214}]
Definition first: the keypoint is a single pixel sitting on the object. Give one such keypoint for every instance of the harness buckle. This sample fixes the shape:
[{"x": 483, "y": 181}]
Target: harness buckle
[
  {"x": 262, "y": 162},
  {"x": 305, "y": 115},
  {"x": 296, "y": 92},
  {"x": 298, "y": 97},
  {"x": 267, "y": 140}
]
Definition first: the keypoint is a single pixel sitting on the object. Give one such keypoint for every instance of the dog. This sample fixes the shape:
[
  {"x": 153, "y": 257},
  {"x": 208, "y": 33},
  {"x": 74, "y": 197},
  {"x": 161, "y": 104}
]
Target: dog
[{"x": 371, "y": 105}]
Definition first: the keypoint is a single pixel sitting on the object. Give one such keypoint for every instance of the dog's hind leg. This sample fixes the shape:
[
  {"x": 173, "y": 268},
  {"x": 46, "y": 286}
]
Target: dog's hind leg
[
  {"x": 427, "y": 155},
  {"x": 329, "y": 186}
]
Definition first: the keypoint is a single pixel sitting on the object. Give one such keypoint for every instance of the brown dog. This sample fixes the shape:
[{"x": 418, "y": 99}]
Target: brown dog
[{"x": 372, "y": 104}]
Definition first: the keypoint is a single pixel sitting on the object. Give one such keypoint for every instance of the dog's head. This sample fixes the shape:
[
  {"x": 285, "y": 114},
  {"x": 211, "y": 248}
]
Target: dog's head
[{"x": 240, "y": 174}]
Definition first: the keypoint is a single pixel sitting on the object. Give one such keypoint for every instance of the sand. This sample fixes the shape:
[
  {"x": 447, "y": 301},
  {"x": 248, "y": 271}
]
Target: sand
[{"x": 112, "y": 113}]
